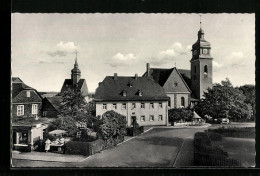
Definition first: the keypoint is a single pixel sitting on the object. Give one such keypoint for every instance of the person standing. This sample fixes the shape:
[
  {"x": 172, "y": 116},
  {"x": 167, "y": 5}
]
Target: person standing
[{"x": 47, "y": 145}]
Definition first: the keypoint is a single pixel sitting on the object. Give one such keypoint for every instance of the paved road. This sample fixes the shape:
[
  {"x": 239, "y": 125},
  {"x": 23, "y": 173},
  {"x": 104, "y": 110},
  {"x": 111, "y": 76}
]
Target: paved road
[{"x": 159, "y": 147}]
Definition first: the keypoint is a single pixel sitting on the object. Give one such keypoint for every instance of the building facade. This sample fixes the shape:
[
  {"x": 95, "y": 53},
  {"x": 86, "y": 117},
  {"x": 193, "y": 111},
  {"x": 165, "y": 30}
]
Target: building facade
[
  {"x": 26, "y": 101},
  {"x": 186, "y": 87},
  {"x": 138, "y": 98}
]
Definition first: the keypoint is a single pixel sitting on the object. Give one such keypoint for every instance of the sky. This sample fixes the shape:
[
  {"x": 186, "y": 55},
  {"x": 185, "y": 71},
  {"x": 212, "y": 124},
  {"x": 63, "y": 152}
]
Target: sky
[{"x": 43, "y": 45}]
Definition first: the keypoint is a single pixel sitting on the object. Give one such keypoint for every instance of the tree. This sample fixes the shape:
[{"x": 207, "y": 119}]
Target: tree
[
  {"x": 75, "y": 106},
  {"x": 224, "y": 101},
  {"x": 178, "y": 114},
  {"x": 111, "y": 126},
  {"x": 249, "y": 92},
  {"x": 64, "y": 123}
]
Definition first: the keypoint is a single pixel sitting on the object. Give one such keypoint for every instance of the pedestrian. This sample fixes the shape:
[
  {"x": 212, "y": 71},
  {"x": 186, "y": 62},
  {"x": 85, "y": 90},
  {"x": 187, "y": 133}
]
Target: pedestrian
[{"x": 47, "y": 145}]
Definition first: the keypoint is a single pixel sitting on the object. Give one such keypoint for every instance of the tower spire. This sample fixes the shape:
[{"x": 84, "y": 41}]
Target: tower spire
[
  {"x": 200, "y": 21},
  {"x": 76, "y": 60}
]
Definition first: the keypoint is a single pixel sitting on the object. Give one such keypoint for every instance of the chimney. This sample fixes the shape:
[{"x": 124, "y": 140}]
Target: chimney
[
  {"x": 136, "y": 76},
  {"x": 115, "y": 76},
  {"x": 148, "y": 69}
]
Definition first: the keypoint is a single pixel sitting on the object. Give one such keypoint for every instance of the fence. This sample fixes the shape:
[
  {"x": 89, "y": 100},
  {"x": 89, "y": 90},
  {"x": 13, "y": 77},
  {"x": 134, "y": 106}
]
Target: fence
[{"x": 201, "y": 159}]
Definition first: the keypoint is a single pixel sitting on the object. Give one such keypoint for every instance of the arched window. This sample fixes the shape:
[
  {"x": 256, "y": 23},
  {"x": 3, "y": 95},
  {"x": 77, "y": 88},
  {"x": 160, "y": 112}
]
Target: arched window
[
  {"x": 206, "y": 69},
  {"x": 182, "y": 101}
]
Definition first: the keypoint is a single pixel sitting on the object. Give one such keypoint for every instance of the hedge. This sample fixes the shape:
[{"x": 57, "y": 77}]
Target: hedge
[
  {"x": 235, "y": 132},
  {"x": 90, "y": 148},
  {"x": 207, "y": 155}
]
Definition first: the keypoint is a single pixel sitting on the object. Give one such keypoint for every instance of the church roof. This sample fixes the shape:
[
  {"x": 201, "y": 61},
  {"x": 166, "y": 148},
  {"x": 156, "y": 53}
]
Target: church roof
[
  {"x": 162, "y": 75},
  {"x": 111, "y": 89},
  {"x": 80, "y": 85}
]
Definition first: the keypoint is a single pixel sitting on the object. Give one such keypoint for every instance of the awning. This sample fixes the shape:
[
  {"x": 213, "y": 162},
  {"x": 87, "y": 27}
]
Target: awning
[{"x": 57, "y": 132}]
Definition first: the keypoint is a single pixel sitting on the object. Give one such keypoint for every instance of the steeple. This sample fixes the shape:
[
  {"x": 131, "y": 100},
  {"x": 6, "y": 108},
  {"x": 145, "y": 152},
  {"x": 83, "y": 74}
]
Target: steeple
[
  {"x": 75, "y": 72},
  {"x": 200, "y": 32}
]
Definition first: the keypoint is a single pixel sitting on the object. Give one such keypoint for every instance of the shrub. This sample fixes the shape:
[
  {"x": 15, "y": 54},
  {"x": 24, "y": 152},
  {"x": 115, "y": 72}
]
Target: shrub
[
  {"x": 180, "y": 114},
  {"x": 39, "y": 145},
  {"x": 134, "y": 131},
  {"x": 112, "y": 126},
  {"x": 77, "y": 148}
]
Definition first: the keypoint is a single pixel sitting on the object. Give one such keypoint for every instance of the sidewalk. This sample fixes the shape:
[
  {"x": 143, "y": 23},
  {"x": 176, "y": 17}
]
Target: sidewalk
[
  {"x": 50, "y": 157},
  {"x": 185, "y": 157}
]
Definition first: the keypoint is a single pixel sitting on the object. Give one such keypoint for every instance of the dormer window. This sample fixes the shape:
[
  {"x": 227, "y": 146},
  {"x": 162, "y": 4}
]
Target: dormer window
[
  {"x": 28, "y": 93},
  {"x": 139, "y": 93},
  {"x": 130, "y": 84},
  {"x": 124, "y": 93}
]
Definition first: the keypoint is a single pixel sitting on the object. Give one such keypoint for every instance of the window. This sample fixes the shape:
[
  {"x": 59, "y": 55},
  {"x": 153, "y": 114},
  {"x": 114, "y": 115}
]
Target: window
[
  {"x": 114, "y": 106},
  {"x": 160, "y": 105},
  {"x": 151, "y": 118},
  {"x": 28, "y": 93},
  {"x": 205, "y": 69},
  {"x": 20, "y": 110},
  {"x": 142, "y": 105},
  {"x": 160, "y": 118},
  {"x": 34, "y": 108},
  {"x": 123, "y": 106},
  {"x": 182, "y": 101},
  {"x": 104, "y": 106},
  {"x": 21, "y": 138},
  {"x": 175, "y": 84},
  {"x": 151, "y": 105},
  {"x": 142, "y": 119},
  {"x": 133, "y": 105}
]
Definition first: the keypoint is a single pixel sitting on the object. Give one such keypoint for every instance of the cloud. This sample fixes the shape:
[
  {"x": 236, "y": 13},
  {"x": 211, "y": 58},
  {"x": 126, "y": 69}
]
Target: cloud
[
  {"x": 170, "y": 54},
  {"x": 234, "y": 60},
  {"x": 216, "y": 66},
  {"x": 62, "y": 49},
  {"x": 120, "y": 59},
  {"x": 57, "y": 53}
]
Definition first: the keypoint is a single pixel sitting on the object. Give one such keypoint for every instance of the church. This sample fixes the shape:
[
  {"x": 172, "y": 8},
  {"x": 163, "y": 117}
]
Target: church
[{"x": 186, "y": 87}]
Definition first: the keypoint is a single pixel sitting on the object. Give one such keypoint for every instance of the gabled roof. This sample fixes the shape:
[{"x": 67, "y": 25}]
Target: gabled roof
[
  {"x": 18, "y": 86},
  {"x": 186, "y": 75},
  {"x": 162, "y": 75},
  {"x": 55, "y": 101},
  {"x": 111, "y": 89},
  {"x": 80, "y": 85}
]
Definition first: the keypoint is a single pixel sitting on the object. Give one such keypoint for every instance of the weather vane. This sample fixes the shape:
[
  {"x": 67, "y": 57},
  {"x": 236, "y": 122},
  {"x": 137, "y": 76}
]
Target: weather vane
[{"x": 200, "y": 21}]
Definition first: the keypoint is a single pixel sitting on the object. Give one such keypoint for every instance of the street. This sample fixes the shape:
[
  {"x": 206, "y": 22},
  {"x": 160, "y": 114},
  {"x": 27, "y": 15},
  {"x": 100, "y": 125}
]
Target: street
[{"x": 159, "y": 147}]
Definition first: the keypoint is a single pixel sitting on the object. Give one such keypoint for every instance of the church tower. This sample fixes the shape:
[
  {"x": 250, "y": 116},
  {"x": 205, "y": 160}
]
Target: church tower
[
  {"x": 201, "y": 66},
  {"x": 75, "y": 73}
]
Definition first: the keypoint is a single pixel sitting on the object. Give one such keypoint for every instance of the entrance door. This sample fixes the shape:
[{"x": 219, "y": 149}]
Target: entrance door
[{"x": 133, "y": 120}]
